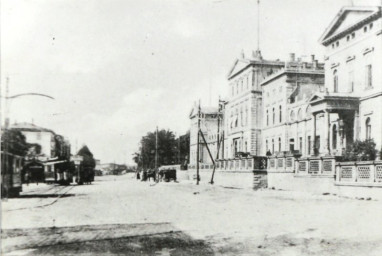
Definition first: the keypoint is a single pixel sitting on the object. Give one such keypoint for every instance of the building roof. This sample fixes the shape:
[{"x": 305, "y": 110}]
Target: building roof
[
  {"x": 204, "y": 110},
  {"x": 294, "y": 70},
  {"x": 349, "y": 18},
  {"x": 29, "y": 127},
  {"x": 243, "y": 63}
]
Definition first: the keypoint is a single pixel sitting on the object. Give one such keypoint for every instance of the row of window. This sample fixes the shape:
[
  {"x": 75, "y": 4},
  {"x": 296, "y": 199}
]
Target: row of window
[
  {"x": 352, "y": 35},
  {"x": 239, "y": 118},
  {"x": 292, "y": 115},
  {"x": 368, "y": 79},
  {"x": 239, "y": 87}
]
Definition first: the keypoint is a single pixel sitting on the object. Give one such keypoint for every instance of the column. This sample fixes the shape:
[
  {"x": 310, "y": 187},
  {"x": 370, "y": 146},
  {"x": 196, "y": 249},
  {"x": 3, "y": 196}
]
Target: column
[
  {"x": 313, "y": 133},
  {"x": 356, "y": 125},
  {"x": 327, "y": 132}
]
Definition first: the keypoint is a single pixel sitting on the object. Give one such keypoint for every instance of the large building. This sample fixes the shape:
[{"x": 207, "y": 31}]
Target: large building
[
  {"x": 352, "y": 103},
  {"x": 243, "y": 110},
  {"x": 286, "y": 112}
]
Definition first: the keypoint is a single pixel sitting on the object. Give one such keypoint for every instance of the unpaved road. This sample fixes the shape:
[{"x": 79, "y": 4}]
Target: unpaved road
[{"x": 119, "y": 215}]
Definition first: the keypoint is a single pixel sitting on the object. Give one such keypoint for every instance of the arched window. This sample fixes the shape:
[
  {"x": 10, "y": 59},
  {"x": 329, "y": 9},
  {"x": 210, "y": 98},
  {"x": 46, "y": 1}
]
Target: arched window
[
  {"x": 299, "y": 114},
  {"x": 267, "y": 118},
  {"x": 334, "y": 137},
  {"x": 280, "y": 114},
  {"x": 308, "y": 111},
  {"x": 335, "y": 81},
  {"x": 273, "y": 115},
  {"x": 246, "y": 149},
  {"x": 292, "y": 116},
  {"x": 266, "y": 145},
  {"x": 368, "y": 128},
  {"x": 279, "y": 144}
]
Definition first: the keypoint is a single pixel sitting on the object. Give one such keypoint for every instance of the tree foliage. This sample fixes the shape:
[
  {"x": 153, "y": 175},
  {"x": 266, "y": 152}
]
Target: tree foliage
[
  {"x": 360, "y": 151},
  {"x": 167, "y": 149},
  {"x": 88, "y": 160},
  {"x": 14, "y": 142}
]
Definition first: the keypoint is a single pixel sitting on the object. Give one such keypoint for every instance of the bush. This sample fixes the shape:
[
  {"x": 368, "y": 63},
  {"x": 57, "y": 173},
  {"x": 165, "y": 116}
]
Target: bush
[{"x": 360, "y": 151}]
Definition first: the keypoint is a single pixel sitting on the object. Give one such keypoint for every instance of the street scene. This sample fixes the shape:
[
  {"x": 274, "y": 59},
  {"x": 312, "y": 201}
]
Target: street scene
[{"x": 214, "y": 127}]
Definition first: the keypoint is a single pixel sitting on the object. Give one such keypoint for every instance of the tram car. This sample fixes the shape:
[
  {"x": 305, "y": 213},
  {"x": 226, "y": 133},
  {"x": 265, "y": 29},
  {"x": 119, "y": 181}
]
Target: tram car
[
  {"x": 33, "y": 172},
  {"x": 85, "y": 175},
  {"x": 11, "y": 166},
  {"x": 64, "y": 172}
]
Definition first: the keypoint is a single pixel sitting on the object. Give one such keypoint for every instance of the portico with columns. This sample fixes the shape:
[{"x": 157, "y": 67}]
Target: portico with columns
[{"x": 340, "y": 123}]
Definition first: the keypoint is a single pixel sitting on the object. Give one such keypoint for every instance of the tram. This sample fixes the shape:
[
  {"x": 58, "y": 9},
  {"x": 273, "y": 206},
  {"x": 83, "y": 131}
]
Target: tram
[{"x": 11, "y": 184}]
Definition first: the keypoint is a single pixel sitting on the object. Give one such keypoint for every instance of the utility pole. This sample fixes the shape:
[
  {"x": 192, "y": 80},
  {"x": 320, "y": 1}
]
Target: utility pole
[
  {"x": 156, "y": 149},
  {"x": 217, "y": 143},
  {"x": 197, "y": 147}
]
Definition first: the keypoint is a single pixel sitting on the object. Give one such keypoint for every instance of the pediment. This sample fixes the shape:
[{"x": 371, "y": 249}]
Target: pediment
[
  {"x": 345, "y": 19},
  {"x": 238, "y": 66},
  {"x": 316, "y": 97}
]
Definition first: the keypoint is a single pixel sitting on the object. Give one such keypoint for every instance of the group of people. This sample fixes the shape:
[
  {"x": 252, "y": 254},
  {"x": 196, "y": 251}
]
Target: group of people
[{"x": 147, "y": 174}]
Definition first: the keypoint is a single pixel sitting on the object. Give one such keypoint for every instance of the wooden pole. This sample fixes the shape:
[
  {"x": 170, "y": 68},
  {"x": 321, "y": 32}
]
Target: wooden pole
[{"x": 197, "y": 147}]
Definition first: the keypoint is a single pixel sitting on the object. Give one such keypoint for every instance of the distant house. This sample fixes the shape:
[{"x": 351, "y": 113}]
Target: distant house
[{"x": 38, "y": 135}]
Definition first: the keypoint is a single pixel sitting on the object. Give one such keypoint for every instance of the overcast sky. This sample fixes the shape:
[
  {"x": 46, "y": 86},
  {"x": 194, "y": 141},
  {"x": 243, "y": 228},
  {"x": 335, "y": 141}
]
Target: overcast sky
[{"x": 119, "y": 68}]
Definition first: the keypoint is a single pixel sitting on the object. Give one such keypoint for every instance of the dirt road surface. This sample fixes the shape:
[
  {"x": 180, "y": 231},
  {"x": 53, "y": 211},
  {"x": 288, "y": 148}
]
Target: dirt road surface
[{"x": 120, "y": 215}]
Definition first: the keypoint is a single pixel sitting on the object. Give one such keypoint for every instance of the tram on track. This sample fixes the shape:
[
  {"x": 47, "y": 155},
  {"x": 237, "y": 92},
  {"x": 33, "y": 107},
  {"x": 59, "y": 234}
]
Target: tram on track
[{"x": 11, "y": 183}]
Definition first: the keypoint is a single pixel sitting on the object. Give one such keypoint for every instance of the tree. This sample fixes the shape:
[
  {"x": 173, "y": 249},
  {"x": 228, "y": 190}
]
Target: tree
[
  {"x": 167, "y": 149},
  {"x": 14, "y": 142},
  {"x": 360, "y": 151}
]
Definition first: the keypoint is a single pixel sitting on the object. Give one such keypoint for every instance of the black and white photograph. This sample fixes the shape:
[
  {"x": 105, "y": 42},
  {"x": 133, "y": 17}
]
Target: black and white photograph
[{"x": 191, "y": 127}]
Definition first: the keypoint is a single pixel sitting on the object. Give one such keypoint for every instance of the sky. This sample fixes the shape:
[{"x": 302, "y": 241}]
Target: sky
[{"x": 118, "y": 68}]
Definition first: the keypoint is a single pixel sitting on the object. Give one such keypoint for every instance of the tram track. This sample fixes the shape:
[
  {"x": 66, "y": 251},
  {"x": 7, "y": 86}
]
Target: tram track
[{"x": 60, "y": 191}]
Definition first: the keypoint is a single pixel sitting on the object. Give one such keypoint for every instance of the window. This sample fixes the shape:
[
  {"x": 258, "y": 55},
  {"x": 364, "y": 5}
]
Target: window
[
  {"x": 237, "y": 88},
  {"x": 279, "y": 144},
  {"x": 273, "y": 115},
  {"x": 299, "y": 114},
  {"x": 353, "y": 35},
  {"x": 266, "y": 145},
  {"x": 308, "y": 112},
  {"x": 335, "y": 81},
  {"x": 246, "y": 115},
  {"x": 245, "y": 149},
  {"x": 365, "y": 29},
  {"x": 371, "y": 26},
  {"x": 347, "y": 38},
  {"x": 247, "y": 82},
  {"x": 292, "y": 116},
  {"x": 368, "y": 128},
  {"x": 351, "y": 81},
  {"x": 241, "y": 116},
  {"x": 291, "y": 145},
  {"x": 280, "y": 114},
  {"x": 267, "y": 118},
  {"x": 273, "y": 146},
  {"x": 337, "y": 43},
  {"x": 369, "y": 77},
  {"x": 334, "y": 137},
  {"x": 309, "y": 145},
  {"x": 38, "y": 135},
  {"x": 332, "y": 46},
  {"x": 242, "y": 87},
  {"x": 300, "y": 148},
  {"x": 233, "y": 90}
]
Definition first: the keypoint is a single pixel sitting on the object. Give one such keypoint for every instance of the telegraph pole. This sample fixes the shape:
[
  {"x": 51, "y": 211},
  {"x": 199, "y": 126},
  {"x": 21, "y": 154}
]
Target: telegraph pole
[
  {"x": 197, "y": 147},
  {"x": 156, "y": 149}
]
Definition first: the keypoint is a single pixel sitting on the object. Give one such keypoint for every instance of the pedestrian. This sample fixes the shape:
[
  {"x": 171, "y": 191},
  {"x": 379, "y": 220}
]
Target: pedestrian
[
  {"x": 138, "y": 175},
  {"x": 27, "y": 177}
]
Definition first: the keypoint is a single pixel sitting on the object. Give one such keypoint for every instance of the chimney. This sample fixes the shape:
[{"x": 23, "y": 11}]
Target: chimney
[
  {"x": 312, "y": 57},
  {"x": 291, "y": 57},
  {"x": 298, "y": 59},
  {"x": 315, "y": 64}
]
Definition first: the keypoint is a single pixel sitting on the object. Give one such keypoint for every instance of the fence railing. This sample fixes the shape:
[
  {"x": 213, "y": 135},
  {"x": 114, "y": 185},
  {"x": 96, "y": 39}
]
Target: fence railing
[
  {"x": 367, "y": 173},
  {"x": 237, "y": 164},
  {"x": 302, "y": 166}
]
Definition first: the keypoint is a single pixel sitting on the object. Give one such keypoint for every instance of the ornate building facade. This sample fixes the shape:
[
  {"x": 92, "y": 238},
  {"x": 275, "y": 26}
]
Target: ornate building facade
[
  {"x": 243, "y": 109},
  {"x": 286, "y": 112}
]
